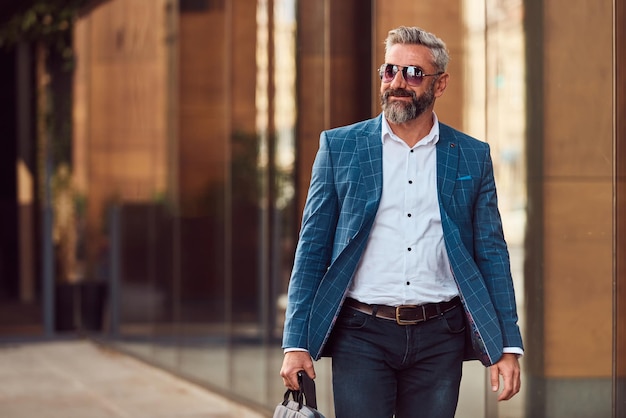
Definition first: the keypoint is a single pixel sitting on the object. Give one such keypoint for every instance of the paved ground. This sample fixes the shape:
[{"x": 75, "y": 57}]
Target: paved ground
[{"x": 78, "y": 379}]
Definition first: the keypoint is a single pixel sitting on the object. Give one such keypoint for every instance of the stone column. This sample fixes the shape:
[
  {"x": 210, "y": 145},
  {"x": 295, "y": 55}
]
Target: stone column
[{"x": 569, "y": 265}]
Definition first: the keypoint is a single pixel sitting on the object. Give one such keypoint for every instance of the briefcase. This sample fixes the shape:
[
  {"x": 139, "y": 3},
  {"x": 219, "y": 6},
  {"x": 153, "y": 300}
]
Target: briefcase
[{"x": 303, "y": 402}]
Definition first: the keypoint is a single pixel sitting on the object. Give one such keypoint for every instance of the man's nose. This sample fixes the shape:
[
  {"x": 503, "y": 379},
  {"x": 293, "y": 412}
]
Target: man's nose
[{"x": 398, "y": 81}]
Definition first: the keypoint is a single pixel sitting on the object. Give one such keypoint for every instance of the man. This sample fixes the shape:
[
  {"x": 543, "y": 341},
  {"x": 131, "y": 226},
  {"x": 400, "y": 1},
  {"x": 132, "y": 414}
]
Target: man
[{"x": 401, "y": 270}]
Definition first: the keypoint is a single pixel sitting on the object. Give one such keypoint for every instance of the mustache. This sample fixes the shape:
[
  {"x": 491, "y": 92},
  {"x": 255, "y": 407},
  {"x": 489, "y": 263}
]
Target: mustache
[{"x": 399, "y": 93}]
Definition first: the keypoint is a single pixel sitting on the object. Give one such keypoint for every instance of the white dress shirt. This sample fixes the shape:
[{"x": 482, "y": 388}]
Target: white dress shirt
[{"x": 405, "y": 260}]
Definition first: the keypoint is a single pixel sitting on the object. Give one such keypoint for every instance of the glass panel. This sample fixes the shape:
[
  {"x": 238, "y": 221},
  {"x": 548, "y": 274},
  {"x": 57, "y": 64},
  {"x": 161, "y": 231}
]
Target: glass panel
[
  {"x": 473, "y": 395},
  {"x": 495, "y": 112},
  {"x": 506, "y": 133},
  {"x": 269, "y": 169},
  {"x": 121, "y": 167},
  {"x": 202, "y": 291},
  {"x": 251, "y": 204}
]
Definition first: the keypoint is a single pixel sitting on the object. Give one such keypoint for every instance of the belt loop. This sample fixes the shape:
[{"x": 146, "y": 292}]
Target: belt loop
[
  {"x": 439, "y": 312},
  {"x": 374, "y": 310}
]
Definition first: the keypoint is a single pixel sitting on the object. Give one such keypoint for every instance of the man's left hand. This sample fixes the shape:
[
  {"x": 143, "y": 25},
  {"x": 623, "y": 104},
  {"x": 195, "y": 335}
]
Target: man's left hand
[{"x": 507, "y": 367}]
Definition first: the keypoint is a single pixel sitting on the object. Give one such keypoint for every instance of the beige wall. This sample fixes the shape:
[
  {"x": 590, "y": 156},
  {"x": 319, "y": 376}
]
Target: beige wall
[
  {"x": 577, "y": 188},
  {"x": 620, "y": 232}
]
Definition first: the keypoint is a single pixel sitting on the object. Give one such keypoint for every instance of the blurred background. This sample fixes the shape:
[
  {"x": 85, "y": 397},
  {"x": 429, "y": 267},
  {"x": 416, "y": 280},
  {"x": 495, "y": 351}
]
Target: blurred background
[{"x": 156, "y": 156}]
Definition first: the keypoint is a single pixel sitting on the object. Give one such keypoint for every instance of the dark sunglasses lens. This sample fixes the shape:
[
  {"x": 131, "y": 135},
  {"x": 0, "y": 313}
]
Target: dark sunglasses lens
[
  {"x": 412, "y": 75},
  {"x": 389, "y": 72}
]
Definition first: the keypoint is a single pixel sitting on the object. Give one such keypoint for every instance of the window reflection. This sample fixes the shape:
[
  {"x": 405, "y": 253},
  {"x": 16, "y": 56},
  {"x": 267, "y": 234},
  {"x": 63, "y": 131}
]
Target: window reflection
[{"x": 494, "y": 111}]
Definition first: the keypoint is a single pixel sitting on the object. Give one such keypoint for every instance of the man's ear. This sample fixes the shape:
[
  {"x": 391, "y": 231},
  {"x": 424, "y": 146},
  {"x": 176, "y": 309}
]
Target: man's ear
[{"x": 441, "y": 83}]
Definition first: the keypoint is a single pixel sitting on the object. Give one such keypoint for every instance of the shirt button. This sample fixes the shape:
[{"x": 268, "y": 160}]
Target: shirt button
[
  {"x": 408, "y": 283},
  {"x": 410, "y": 181},
  {"x": 409, "y": 215},
  {"x": 409, "y": 249}
]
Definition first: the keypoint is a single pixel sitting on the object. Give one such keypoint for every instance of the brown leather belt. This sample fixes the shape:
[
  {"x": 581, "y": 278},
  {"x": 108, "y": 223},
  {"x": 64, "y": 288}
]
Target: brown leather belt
[{"x": 405, "y": 314}]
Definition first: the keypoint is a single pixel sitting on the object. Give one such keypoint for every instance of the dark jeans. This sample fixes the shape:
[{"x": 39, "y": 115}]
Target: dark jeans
[{"x": 381, "y": 368}]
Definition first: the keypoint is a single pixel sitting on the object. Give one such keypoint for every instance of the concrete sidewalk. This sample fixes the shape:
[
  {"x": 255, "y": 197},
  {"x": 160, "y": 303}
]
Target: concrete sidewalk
[{"x": 78, "y": 379}]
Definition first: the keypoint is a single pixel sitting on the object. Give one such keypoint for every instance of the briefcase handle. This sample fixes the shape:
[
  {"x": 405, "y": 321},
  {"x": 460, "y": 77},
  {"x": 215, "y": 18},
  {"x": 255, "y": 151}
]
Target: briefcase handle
[
  {"x": 305, "y": 395},
  {"x": 307, "y": 387}
]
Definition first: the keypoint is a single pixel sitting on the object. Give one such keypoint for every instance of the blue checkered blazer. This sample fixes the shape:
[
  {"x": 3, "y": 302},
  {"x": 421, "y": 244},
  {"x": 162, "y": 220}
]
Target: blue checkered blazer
[{"x": 343, "y": 197}]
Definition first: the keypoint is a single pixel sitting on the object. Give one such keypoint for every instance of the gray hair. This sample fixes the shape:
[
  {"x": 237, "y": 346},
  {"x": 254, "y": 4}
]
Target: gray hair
[{"x": 417, "y": 36}]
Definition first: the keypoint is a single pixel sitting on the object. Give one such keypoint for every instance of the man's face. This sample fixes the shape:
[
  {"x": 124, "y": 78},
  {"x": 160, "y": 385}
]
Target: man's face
[{"x": 401, "y": 101}]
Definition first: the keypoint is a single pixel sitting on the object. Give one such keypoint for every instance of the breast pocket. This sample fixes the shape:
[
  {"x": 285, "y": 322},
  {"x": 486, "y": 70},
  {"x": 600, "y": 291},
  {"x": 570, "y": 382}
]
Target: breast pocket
[{"x": 464, "y": 191}]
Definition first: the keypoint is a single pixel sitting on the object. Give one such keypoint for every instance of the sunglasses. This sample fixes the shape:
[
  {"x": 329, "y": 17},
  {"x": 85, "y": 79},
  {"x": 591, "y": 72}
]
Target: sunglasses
[{"x": 412, "y": 75}]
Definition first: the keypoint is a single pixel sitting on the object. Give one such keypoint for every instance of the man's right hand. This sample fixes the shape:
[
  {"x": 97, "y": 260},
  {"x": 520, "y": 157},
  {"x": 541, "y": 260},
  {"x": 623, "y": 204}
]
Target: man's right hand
[{"x": 293, "y": 362}]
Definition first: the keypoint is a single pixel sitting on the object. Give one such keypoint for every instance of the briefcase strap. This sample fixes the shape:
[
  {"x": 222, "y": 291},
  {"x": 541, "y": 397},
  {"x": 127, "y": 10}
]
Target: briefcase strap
[
  {"x": 307, "y": 387},
  {"x": 305, "y": 395}
]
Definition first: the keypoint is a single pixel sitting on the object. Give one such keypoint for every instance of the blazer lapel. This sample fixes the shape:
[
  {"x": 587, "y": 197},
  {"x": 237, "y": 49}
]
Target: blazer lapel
[
  {"x": 447, "y": 164},
  {"x": 370, "y": 150}
]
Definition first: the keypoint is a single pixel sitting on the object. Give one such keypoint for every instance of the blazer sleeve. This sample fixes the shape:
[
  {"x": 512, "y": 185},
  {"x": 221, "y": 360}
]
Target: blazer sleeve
[
  {"x": 314, "y": 248},
  {"x": 492, "y": 256}
]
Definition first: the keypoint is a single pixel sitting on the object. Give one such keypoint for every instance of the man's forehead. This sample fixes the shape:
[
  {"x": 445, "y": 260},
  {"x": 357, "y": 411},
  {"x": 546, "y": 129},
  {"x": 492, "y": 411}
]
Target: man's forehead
[{"x": 409, "y": 54}]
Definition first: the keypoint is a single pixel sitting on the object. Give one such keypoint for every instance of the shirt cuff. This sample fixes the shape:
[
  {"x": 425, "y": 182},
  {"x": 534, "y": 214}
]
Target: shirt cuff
[
  {"x": 287, "y": 350},
  {"x": 513, "y": 350}
]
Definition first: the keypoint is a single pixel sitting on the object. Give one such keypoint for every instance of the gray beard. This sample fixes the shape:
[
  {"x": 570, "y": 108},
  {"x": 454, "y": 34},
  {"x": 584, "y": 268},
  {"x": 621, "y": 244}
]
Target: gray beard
[{"x": 402, "y": 112}]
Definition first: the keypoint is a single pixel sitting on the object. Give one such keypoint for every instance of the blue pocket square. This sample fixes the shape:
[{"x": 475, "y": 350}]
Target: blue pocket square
[{"x": 464, "y": 178}]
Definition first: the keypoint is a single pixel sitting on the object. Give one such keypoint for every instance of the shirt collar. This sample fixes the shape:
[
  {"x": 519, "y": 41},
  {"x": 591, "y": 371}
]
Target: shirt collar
[{"x": 431, "y": 138}]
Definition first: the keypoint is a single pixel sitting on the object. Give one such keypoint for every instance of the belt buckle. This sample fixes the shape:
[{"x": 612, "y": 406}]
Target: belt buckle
[{"x": 401, "y": 321}]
